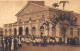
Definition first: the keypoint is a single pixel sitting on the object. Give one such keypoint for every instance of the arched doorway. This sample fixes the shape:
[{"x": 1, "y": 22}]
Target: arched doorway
[
  {"x": 10, "y": 31},
  {"x": 33, "y": 31},
  {"x": 15, "y": 31},
  {"x": 27, "y": 31},
  {"x": 42, "y": 30},
  {"x": 20, "y": 30}
]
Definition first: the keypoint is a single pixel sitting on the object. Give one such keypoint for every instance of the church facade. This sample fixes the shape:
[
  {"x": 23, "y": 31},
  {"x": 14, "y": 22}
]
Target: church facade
[{"x": 31, "y": 18}]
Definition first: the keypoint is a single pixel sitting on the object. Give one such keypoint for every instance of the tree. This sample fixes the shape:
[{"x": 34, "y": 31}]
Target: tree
[
  {"x": 55, "y": 5},
  {"x": 62, "y": 17},
  {"x": 64, "y": 3}
]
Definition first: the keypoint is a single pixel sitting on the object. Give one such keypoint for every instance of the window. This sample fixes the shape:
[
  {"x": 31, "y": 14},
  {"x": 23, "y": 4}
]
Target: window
[{"x": 41, "y": 27}]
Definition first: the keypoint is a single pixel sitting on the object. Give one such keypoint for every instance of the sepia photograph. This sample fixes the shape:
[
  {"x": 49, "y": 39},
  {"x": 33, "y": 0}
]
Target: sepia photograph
[{"x": 39, "y": 25}]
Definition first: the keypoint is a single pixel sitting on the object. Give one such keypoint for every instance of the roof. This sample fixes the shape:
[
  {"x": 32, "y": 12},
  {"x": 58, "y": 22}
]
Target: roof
[{"x": 38, "y": 8}]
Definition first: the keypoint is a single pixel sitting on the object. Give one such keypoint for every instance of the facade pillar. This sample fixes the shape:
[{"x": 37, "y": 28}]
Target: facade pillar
[
  {"x": 37, "y": 29},
  {"x": 23, "y": 29},
  {"x": 45, "y": 31},
  {"x": 4, "y": 31},
  {"x": 12, "y": 30},
  {"x": 30, "y": 28},
  {"x": 8, "y": 31},
  {"x": 17, "y": 29},
  {"x": 57, "y": 32},
  {"x": 50, "y": 29},
  {"x": 75, "y": 34}
]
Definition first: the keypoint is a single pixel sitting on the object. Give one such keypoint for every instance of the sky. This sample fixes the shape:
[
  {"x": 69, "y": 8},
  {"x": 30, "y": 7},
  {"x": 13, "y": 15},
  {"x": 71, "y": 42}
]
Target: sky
[{"x": 9, "y": 8}]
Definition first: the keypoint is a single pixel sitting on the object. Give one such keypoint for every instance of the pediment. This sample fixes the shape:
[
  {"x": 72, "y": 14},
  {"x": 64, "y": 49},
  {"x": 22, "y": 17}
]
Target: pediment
[{"x": 31, "y": 8}]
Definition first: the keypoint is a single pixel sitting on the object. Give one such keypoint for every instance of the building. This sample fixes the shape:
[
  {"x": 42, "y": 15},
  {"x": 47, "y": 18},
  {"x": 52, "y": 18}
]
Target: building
[
  {"x": 1, "y": 31},
  {"x": 31, "y": 17}
]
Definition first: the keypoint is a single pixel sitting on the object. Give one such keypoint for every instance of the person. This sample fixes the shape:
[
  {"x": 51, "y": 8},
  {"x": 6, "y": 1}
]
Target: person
[
  {"x": 6, "y": 43},
  {"x": 37, "y": 41},
  {"x": 67, "y": 40},
  {"x": 2, "y": 42},
  {"x": 10, "y": 42},
  {"x": 60, "y": 40},
  {"x": 19, "y": 42},
  {"x": 15, "y": 44},
  {"x": 44, "y": 41}
]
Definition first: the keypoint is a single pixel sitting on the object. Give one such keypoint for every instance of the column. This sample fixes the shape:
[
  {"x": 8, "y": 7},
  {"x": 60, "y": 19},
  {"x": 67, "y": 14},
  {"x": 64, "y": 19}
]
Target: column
[
  {"x": 75, "y": 32},
  {"x": 8, "y": 31},
  {"x": 3, "y": 31},
  {"x": 57, "y": 32},
  {"x": 17, "y": 29},
  {"x": 30, "y": 28},
  {"x": 12, "y": 30},
  {"x": 45, "y": 31},
  {"x": 37, "y": 29},
  {"x": 23, "y": 29},
  {"x": 50, "y": 29}
]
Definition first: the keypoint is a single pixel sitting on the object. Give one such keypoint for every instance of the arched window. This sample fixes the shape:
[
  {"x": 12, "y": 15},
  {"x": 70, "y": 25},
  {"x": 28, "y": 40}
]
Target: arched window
[
  {"x": 41, "y": 27},
  {"x": 20, "y": 30},
  {"x": 71, "y": 32},
  {"x": 15, "y": 31},
  {"x": 33, "y": 31}
]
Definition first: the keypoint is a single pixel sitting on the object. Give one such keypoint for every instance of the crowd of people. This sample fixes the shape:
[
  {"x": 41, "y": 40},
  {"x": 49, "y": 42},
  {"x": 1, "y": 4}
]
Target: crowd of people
[
  {"x": 43, "y": 41},
  {"x": 10, "y": 43}
]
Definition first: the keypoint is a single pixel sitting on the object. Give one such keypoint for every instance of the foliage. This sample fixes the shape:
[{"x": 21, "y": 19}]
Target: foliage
[
  {"x": 55, "y": 5},
  {"x": 64, "y": 3}
]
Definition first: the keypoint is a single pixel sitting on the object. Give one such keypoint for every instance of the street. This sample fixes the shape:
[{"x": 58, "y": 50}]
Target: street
[{"x": 26, "y": 47}]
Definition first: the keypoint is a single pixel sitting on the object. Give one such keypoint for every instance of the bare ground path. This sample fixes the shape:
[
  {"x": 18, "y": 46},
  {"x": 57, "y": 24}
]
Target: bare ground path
[{"x": 26, "y": 47}]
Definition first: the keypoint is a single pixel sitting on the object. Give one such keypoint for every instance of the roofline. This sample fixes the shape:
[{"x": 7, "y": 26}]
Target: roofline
[
  {"x": 44, "y": 6},
  {"x": 35, "y": 12},
  {"x": 22, "y": 9},
  {"x": 26, "y": 6}
]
